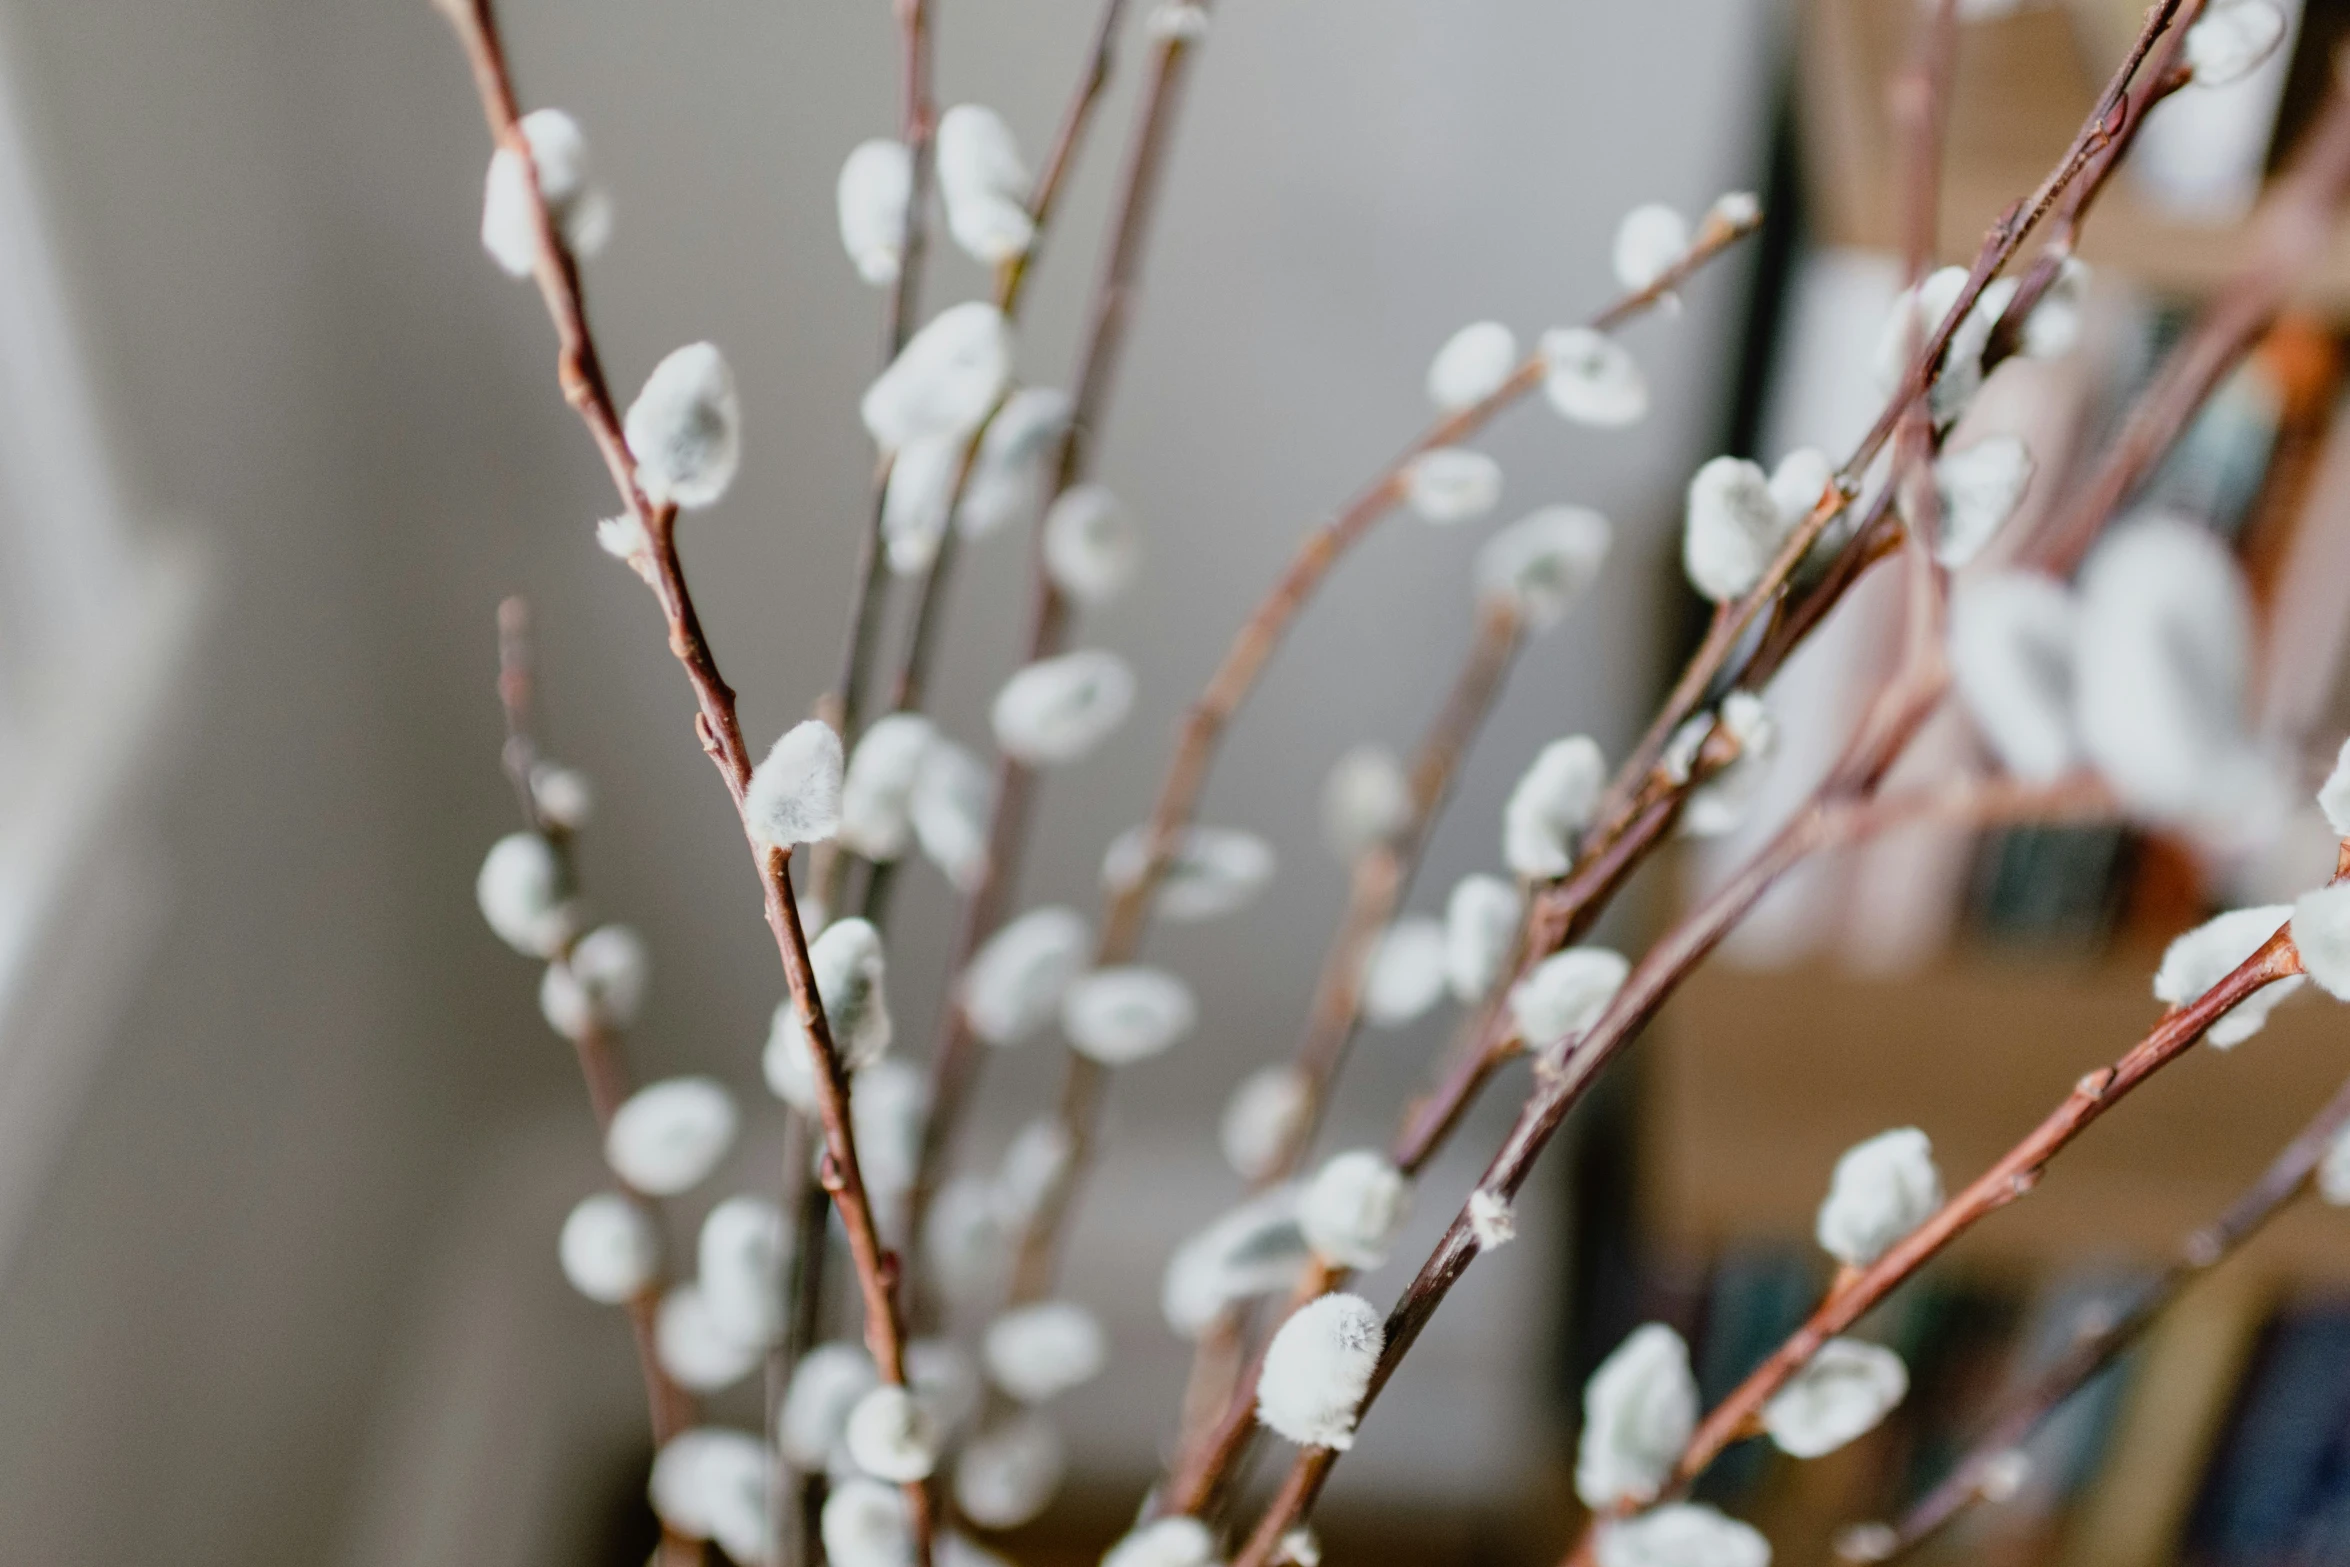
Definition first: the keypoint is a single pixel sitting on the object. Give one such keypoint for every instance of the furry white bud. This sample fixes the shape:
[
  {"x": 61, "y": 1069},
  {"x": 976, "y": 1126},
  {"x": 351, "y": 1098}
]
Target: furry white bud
[
  {"x": 944, "y": 381},
  {"x": 1565, "y": 994},
  {"x": 668, "y": 1136},
  {"x": 1799, "y": 484},
  {"x": 864, "y": 1524},
  {"x": 875, "y": 190},
  {"x": 1473, "y": 364},
  {"x": 1980, "y": 488},
  {"x": 2212, "y": 951},
  {"x": 825, "y": 1386},
  {"x": 1013, "y": 471},
  {"x": 1544, "y": 563},
  {"x": 1010, "y": 1470},
  {"x": 1317, "y": 1369},
  {"x": 1092, "y": 545},
  {"x": 1918, "y": 314},
  {"x": 914, "y": 502},
  {"x": 952, "y": 799},
  {"x": 2232, "y": 39},
  {"x": 1353, "y": 1208},
  {"x": 1177, "y": 21},
  {"x": 876, "y": 797},
  {"x": 562, "y": 795},
  {"x": 2011, "y": 656},
  {"x": 1592, "y": 379},
  {"x": 1164, "y": 1542},
  {"x": 851, "y": 983},
  {"x": 1366, "y": 801},
  {"x": 1057, "y": 710},
  {"x": 740, "y": 1255},
  {"x": 1736, "y": 209},
  {"x": 1841, "y": 1394},
  {"x": 600, "y": 985},
  {"x": 624, "y": 539},
  {"x": 711, "y": 1484},
  {"x": 1034, "y": 1162},
  {"x": 1403, "y": 972},
  {"x": 944, "y": 1379},
  {"x": 892, "y": 1437},
  {"x": 2333, "y": 797},
  {"x": 1639, "y": 1411},
  {"x": 965, "y": 1241},
  {"x": 1212, "y": 872},
  {"x": 1449, "y": 484},
  {"x": 2054, "y": 325},
  {"x": 1254, "y": 1249},
  {"x": 609, "y": 1248},
  {"x": 1732, "y": 528},
  {"x": 794, "y": 795},
  {"x": 1122, "y": 1015},
  {"x": 1263, "y": 1120},
  {"x": 984, "y": 184},
  {"x": 1650, "y": 241},
  {"x": 888, "y": 1106},
  {"x": 1681, "y": 1534},
  {"x": 1550, "y": 806},
  {"x": 524, "y": 896},
  {"x": 1493, "y": 1223},
  {"x": 1881, "y": 1190},
  {"x": 1036, "y": 1353},
  {"x": 581, "y": 211},
  {"x": 1017, "y": 978},
  {"x": 2321, "y": 931},
  {"x": 694, "y": 1346},
  {"x": 2333, "y": 1171},
  {"x": 1480, "y": 924},
  {"x": 685, "y": 429},
  {"x": 1721, "y": 805}
]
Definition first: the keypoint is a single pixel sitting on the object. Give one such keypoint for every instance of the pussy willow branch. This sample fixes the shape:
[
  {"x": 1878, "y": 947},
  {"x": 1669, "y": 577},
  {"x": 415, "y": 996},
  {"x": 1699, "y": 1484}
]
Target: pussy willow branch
[
  {"x": 601, "y": 1062},
  {"x": 716, "y": 723},
  {"x": 2098, "y": 1346}
]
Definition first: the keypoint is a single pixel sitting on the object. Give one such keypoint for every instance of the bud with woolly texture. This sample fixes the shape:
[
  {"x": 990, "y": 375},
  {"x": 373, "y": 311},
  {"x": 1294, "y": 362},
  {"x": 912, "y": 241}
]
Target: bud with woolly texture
[
  {"x": 668, "y": 1136},
  {"x": 2232, "y": 40},
  {"x": 794, "y": 795},
  {"x": 1212, "y": 871},
  {"x": 609, "y": 1248},
  {"x": 1473, "y": 364},
  {"x": 1480, "y": 923},
  {"x": 525, "y": 896},
  {"x": 1721, "y": 804},
  {"x": 892, "y": 1437},
  {"x": 1010, "y": 1470},
  {"x": 685, "y": 429},
  {"x": 1681, "y": 1534},
  {"x": 851, "y": 975},
  {"x": 864, "y": 1524},
  {"x": 1544, "y": 563},
  {"x": 944, "y": 381},
  {"x": 1263, "y": 1118},
  {"x": 2012, "y": 636},
  {"x": 2212, "y": 951},
  {"x": 694, "y": 1346},
  {"x": 984, "y": 184},
  {"x": 876, "y": 800},
  {"x": 1014, "y": 984},
  {"x": 1012, "y": 475},
  {"x": 1058, "y": 710},
  {"x": 1317, "y": 1368},
  {"x": 1565, "y": 994},
  {"x": 949, "y": 808},
  {"x": 600, "y": 985},
  {"x": 1449, "y": 484},
  {"x": 1366, "y": 801},
  {"x": 2333, "y": 797},
  {"x": 1650, "y": 242},
  {"x": 1036, "y": 1353},
  {"x": 1639, "y": 1411},
  {"x": 741, "y": 1255},
  {"x": 581, "y": 211},
  {"x": 825, "y": 1385},
  {"x": 1843, "y": 1392},
  {"x": 914, "y": 502},
  {"x": 1122, "y": 1015},
  {"x": 1882, "y": 1189},
  {"x": 1979, "y": 488},
  {"x": 1550, "y": 805},
  {"x": 1092, "y": 545},
  {"x": 711, "y": 1484},
  {"x": 1493, "y": 1223},
  {"x": 1254, "y": 1249},
  {"x": 1353, "y": 1208},
  {"x": 1592, "y": 379},
  {"x": 1403, "y": 972},
  {"x": 2321, "y": 930},
  {"x": 875, "y": 190}
]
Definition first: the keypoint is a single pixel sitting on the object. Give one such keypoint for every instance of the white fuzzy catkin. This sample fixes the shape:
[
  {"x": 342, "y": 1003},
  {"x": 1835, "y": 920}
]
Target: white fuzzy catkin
[
  {"x": 1058, "y": 710},
  {"x": 600, "y": 985},
  {"x": 1843, "y": 1392},
  {"x": 1473, "y": 364},
  {"x": 794, "y": 795},
  {"x": 1254, "y": 1249},
  {"x": 872, "y": 196},
  {"x": 1799, "y": 482},
  {"x": 609, "y": 1248},
  {"x": 949, "y": 807},
  {"x": 2333, "y": 796},
  {"x": 1318, "y": 1367},
  {"x": 1177, "y": 21},
  {"x": 966, "y": 1242},
  {"x": 1918, "y": 314},
  {"x": 1122, "y": 1015},
  {"x": 944, "y": 381},
  {"x": 562, "y": 796},
  {"x": 1037, "y": 1353},
  {"x": 625, "y": 540},
  {"x": 2231, "y": 40},
  {"x": 1493, "y": 1223},
  {"x": 2321, "y": 930},
  {"x": 1353, "y": 1208},
  {"x": 1263, "y": 1119},
  {"x": 892, "y": 1437},
  {"x": 1449, "y": 484},
  {"x": 876, "y": 796},
  {"x": 1639, "y": 1411},
  {"x": 1591, "y": 379},
  {"x": 581, "y": 211},
  {"x": 1092, "y": 545},
  {"x": 1366, "y": 801},
  {"x": 1404, "y": 972},
  {"x": 685, "y": 429},
  {"x": 2210, "y": 952},
  {"x": 1980, "y": 488},
  {"x": 943, "y": 1376},
  {"x": 1720, "y": 806},
  {"x": 1650, "y": 241},
  {"x": 1681, "y": 1534},
  {"x": 1014, "y": 984},
  {"x": 888, "y": 1106},
  {"x": 1480, "y": 922},
  {"x": 1298, "y": 1547},
  {"x": 1212, "y": 872},
  {"x": 1732, "y": 527},
  {"x": 852, "y": 983},
  {"x": 1881, "y": 1190},
  {"x": 1565, "y": 994},
  {"x": 2333, "y": 1171},
  {"x": 1034, "y": 1162},
  {"x": 984, "y": 184},
  {"x": 825, "y": 1386},
  {"x": 2011, "y": 657},
  {"x": 740, "y": 1258},
  {"x": 1544, "y": 563},
  {"x": 668, "y": 1136},
  {"x": 523, "y": 895},
  {"x": 914, "y": 502},
  {"x": 1007, "y": 1474},
  {"x": 2054, "y": 325},
  {"x": 694, "y": 1346},
  {"x": 864, "y": 1524},
  {"x": 1164, "y": 1542},
  {"x": 1550, "y": 805},
  {"x": 1012, "y": 475},
  {"x": 711, "y": 1484}
]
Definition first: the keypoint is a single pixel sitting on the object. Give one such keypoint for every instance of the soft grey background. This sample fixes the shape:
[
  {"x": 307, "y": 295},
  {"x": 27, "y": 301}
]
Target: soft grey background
[{"x": 307, "y": 1205}]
